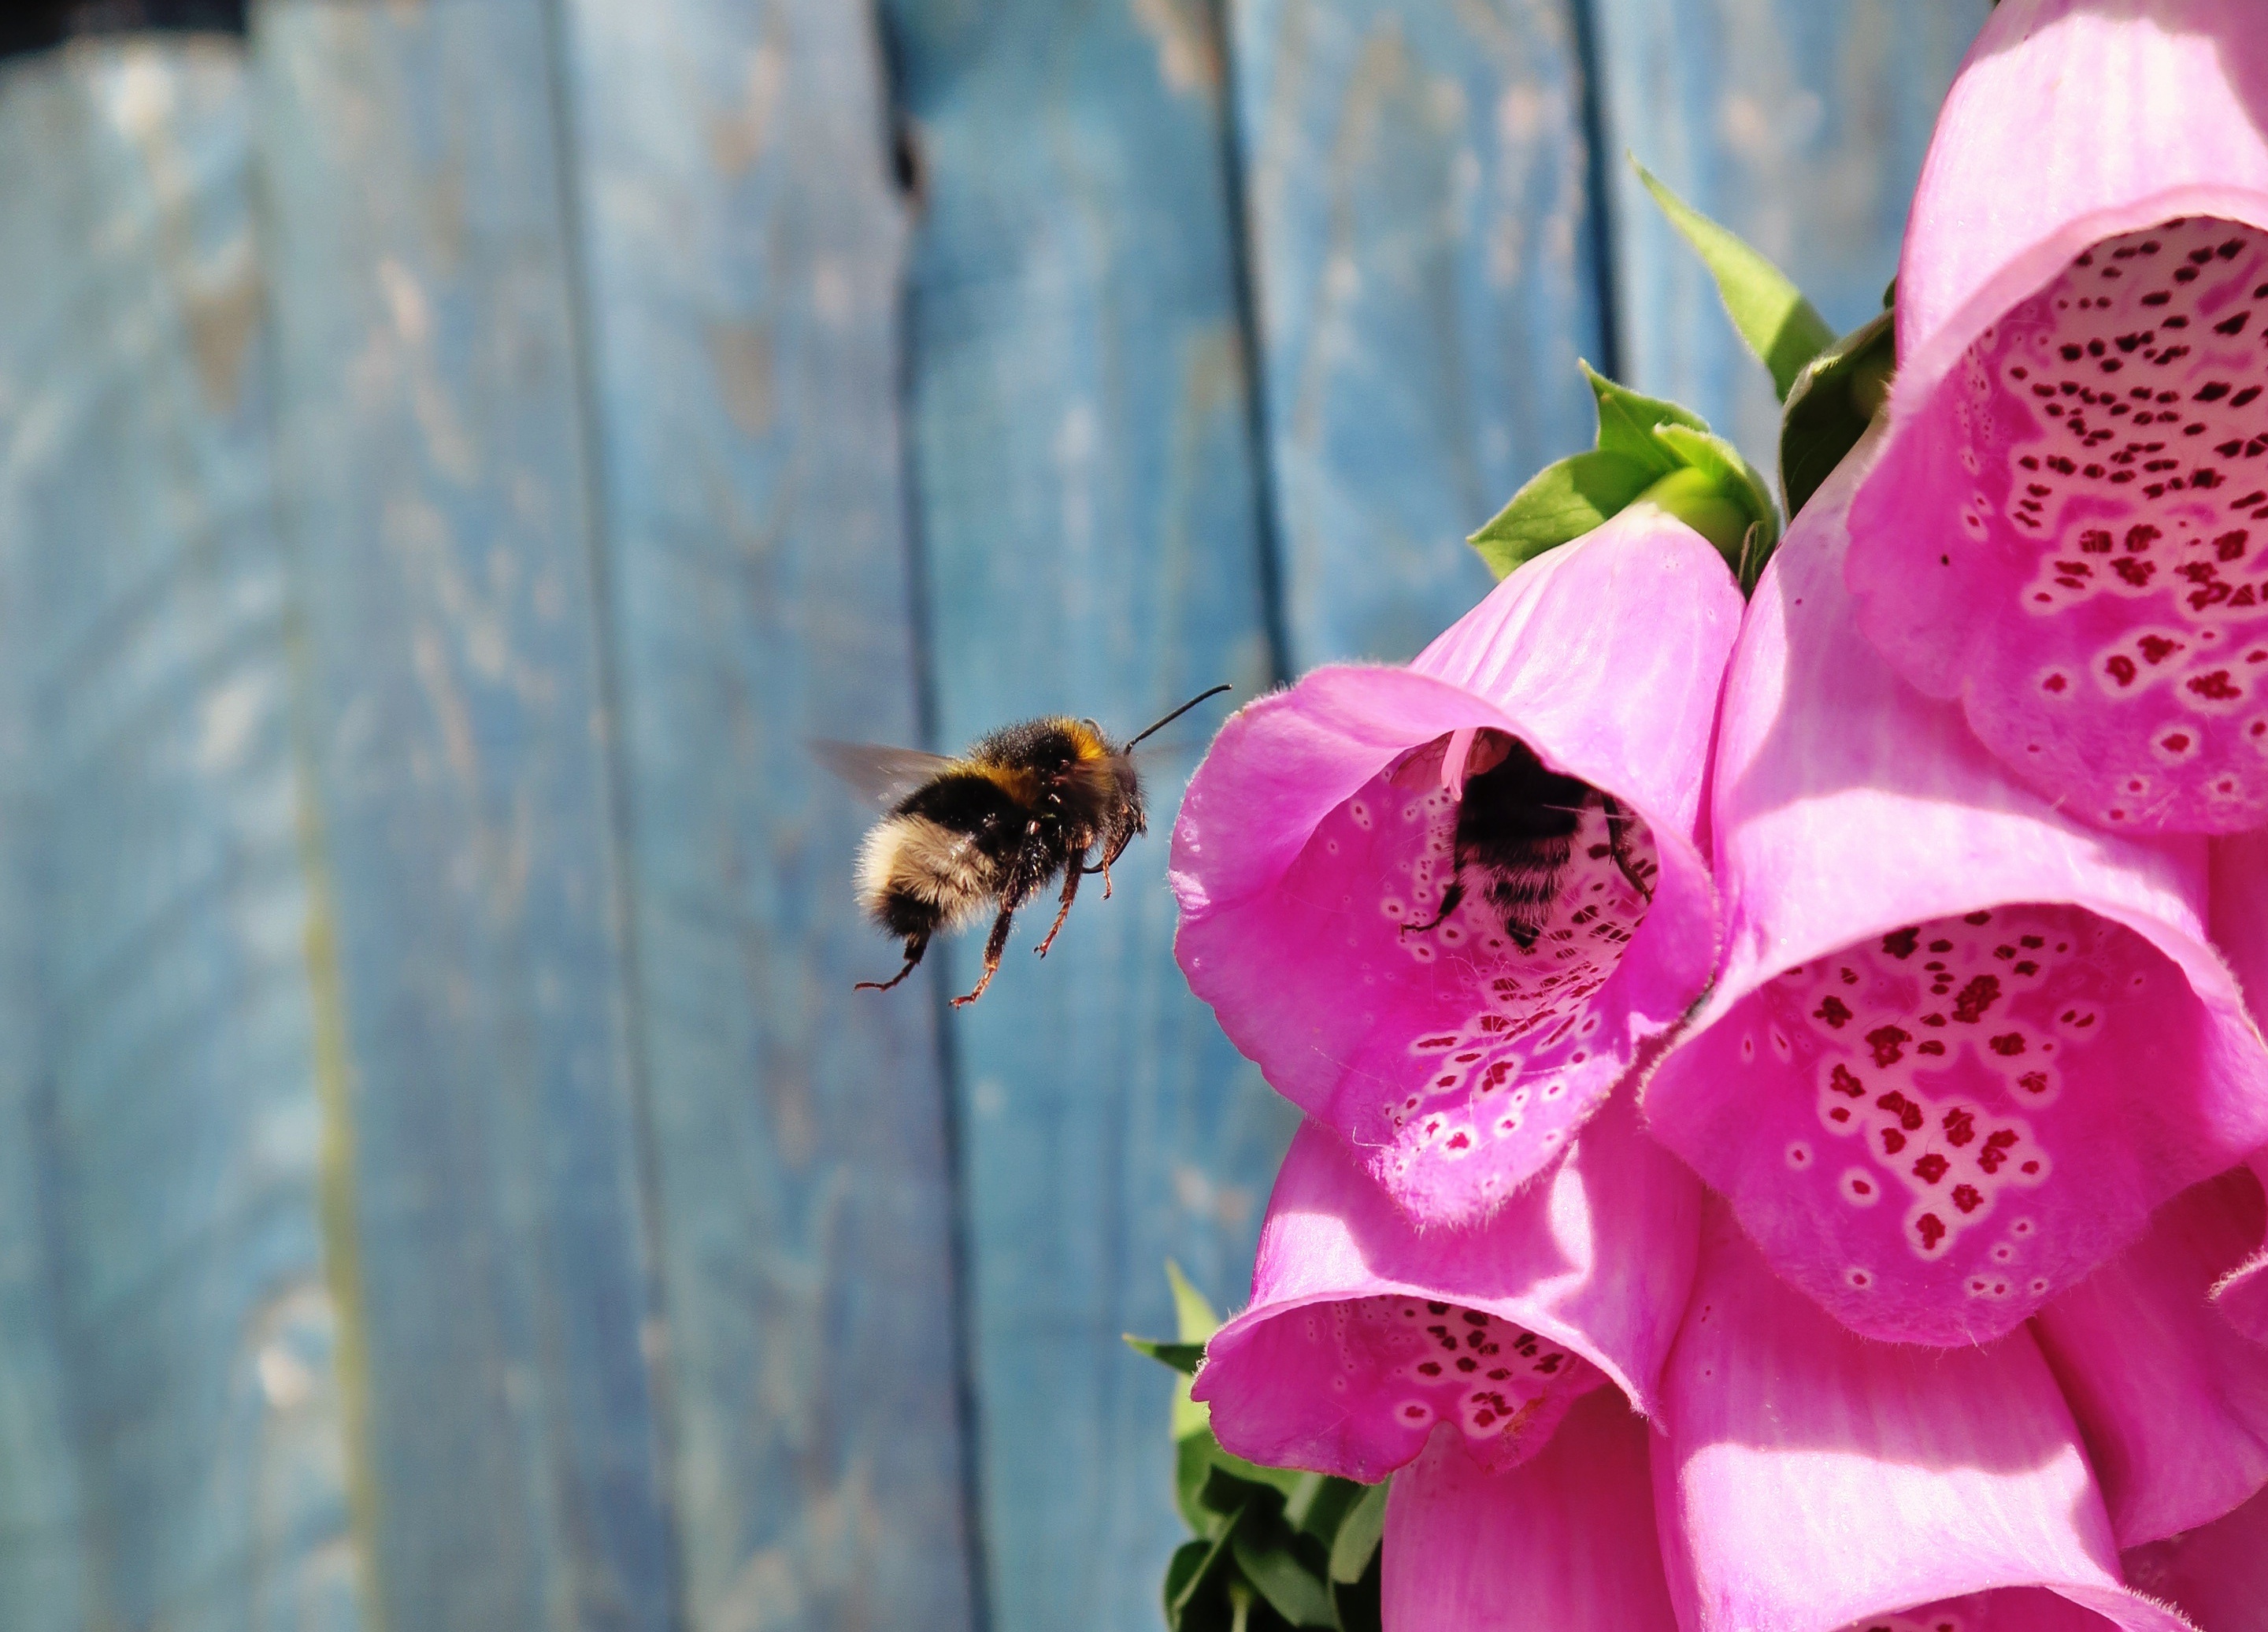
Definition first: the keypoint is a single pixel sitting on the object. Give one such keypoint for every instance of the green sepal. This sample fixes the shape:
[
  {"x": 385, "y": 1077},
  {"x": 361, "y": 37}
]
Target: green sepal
[
  {"x": 1628, "y": 420},
  {"x": 1833, "y": 403},
  {"x": 1359, "y": 1533},
  {"x": 1782, "y": 328},
  {"x": 1294, "y": 1588},
  {"x": 1183, "y": 1357},
  {"x": 1560, "y": 504},
  {"x": 1721, "y": 496}
]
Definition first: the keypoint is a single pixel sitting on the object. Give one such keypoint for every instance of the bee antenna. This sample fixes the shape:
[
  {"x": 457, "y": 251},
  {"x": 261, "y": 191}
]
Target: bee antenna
[{"x": 1183, "y": 709}]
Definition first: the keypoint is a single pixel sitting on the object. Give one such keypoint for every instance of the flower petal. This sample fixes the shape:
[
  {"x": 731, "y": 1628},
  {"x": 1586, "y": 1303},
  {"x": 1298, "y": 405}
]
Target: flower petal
[
  {"x": 2240, "y": 929},
  {"x": 1915, "y": 1075},
  {"x": 2174, "y": 1403},
  {"x": 1566, "y": 1541},
  {"x": 2061, "y": 534},
  {"x": 2217, "y": 1574},
  {"x": 1584, "y": 1274},
  {"x": 1316, "y": 837},
  {"x": 1813, "y": 1479}
]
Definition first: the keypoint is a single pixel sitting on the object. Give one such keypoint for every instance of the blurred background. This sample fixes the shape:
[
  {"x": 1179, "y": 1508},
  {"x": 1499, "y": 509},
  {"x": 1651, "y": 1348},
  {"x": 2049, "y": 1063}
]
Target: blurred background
[{"x": 453, "y": 454}]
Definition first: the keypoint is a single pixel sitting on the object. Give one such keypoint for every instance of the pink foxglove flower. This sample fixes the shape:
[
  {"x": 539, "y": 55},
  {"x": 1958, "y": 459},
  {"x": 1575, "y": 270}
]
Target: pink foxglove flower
[
  {"x": 1960, "y": 1045},
  {"x": 2240, "y": 929},
  {"x": 2068, "y": 531},
  {"x": 1458, "y": 1023},
  {"x": 1365, "y": 1333},
  {"x": 1809, "y": 1478}
]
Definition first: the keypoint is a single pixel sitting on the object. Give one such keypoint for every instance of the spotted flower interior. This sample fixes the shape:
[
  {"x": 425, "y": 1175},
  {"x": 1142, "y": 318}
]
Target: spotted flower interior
[
  {"x": 1503, "y": 1011},
  {"x": 2104, "y": 457},
  {"x": 1376, "y": 1374},
  {"x": 1936, "y": 1130}
]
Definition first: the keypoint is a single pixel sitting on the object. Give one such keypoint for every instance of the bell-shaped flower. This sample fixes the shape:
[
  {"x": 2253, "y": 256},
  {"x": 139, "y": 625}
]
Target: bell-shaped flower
[
  {"x": 2217, "y": 1574},
  {"x": 2240, "y": 929},
  {"x": 2068, "y": 530},
  {"x": 1443, "y": 907},
  {"x": 2173, "y": 1399},
  {"x": 1960, "y": 1045},
  {"x": 1811, "y": 1479},
  {"x": 1367, "y": 1337}
]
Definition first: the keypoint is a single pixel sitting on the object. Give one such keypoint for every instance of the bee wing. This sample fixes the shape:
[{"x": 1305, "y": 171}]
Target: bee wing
[{"x": 884, "y": 775}]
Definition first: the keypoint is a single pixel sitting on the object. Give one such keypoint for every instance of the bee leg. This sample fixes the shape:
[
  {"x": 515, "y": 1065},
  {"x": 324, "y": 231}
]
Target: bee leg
[
  {"x": 1452, "y": 898},
  {"x": 1618, "y": 821},
  {"x": 995, "y": 944},
  {"x": 916, "y": 945},
  {"x": 1070, "y": 890}
]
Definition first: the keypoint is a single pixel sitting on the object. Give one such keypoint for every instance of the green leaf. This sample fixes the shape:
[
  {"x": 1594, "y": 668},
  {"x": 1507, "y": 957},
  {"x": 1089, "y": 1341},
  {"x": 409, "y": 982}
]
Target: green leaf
[
  {"x": 1358, "y": 1536},
  {"x": 1194, "y": 1316},
  {"x": 1783, "y": 328},
  {"x": 1321, "y": 1503},
  {"x": 1627, "y": 419},
  {"x": 1292, "y": 1591},
  {"x": 1187, "y": 1581},
  {"x": 1560, "y": 504},
  {"x": 1359, "y": 1601},
  {"x": 1183, "y": 1357},
  {"x": 1834, "y": 401}
]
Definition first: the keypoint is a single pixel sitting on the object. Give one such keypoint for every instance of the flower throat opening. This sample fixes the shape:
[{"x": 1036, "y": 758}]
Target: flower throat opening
[
  {"x": 2115, "y": 425},
  {"x": 1532, "y": 882}
]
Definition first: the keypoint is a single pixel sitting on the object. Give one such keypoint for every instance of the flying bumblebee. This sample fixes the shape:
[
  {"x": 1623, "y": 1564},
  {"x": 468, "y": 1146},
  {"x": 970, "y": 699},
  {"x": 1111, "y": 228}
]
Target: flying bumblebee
[
  {"x": 1516, "y": 826},
  {"x": 992, "y": 829}
]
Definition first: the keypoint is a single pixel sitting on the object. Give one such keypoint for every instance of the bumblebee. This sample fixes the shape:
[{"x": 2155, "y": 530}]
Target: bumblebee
[
  {"x": 1516, "y": 827},
  {"x": 991, "y": 829}
]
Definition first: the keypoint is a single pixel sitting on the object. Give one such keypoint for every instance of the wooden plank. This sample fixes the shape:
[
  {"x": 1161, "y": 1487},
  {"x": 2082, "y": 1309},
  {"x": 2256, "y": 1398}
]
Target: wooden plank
[
  {"x": 175, "y": 1129},
  {"x": 745, "y": 251},
  {"x": 437, "y": 495},
  {"x": 1087, "y": 512},
  {"x": 1801, "y": 124},
  {"x": 1419, "y": 196}
]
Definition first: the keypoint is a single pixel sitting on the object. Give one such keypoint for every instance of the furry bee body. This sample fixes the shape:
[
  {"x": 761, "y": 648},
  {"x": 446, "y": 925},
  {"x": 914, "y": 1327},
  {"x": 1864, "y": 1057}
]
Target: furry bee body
[
  {"x": 987, "y": 831},
  {"x": 1516, "y": 826}
]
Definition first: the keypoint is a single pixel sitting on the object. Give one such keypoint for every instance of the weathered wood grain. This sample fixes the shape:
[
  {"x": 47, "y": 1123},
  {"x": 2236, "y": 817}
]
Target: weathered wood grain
[
  {"x": 1416, "y": 189},
  {"x": 1088, "y": 516},
  {"x": 745, "y": 250},
  {"x": 437, "y": 500},
  {"x": 151, "y": 843},
  {"x": 1801, "y": 124}
]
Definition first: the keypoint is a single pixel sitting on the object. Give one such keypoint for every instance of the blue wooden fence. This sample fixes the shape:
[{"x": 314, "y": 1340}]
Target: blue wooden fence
[{"x": 452, "y": 454}]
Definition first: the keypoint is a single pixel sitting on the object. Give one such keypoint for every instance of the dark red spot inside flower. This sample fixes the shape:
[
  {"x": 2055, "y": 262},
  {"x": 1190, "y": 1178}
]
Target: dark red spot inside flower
[
  {"x": 2008, "y": 1044},
  {"x": 1931, "y": 1168},
  {"x": 1893, "y": 1141},
  {"x": 1842, "y": 1082},
  {"x": 1960, "y": 1128},
  {"x": 2215, "y": 687},
  {"x": 1888, "y": 1045},
  {"x": 1966, "y": 1198},
  {"x": 1972, "y": 918},
  {"x": 1900, "y": 944},
  {"x": 2121, "y": 668},
  {"x": 1834, "y": 1011},
  {"x": 1907, "y": 1113},
  {"x": 2156, "y": 649},
  {"x": 1981, "y": 993},
  {"x": 1997, "y": 1145},
  {"x": 1931, "y": 1229}
]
